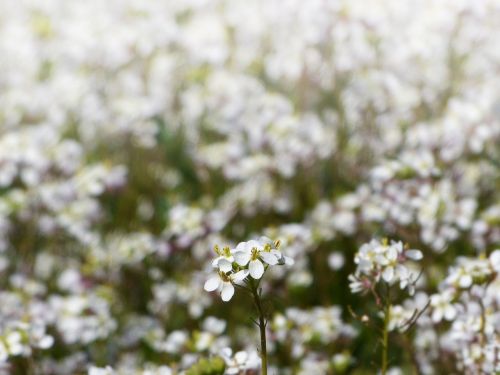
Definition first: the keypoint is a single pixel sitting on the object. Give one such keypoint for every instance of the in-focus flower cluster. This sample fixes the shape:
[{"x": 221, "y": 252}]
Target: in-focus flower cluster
[{"x": 252, "y": 258}]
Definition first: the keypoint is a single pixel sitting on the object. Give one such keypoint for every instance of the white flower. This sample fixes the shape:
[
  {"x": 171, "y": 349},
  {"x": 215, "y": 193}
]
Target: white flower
[
  {"x": 224, "y": 283},
  {"x": 470, "y": 271},
  {"x": 336, "y": 260},
  {"x": 442, "y": 306},
  {"x": 256, "y": 254},
  {"x": 240, "y": 361},
  {"x": 14, "y": 343},
  {"x": 224, "y": 261},
  {"x": 357, "y": 284},
  {"x": 383, "y": 260},
  {"x": 101, "y": 370}
]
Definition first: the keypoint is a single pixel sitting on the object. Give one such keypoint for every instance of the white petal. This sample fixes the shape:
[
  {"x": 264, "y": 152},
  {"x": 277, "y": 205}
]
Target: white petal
[
  {"x": 252, "y": 243},
  {"x": 465, "y": 281},
  {"x": 388, "y": 274},
  {"x": 227, "y": 291},
  {"x": 269, "y": 258},
  {"x": 226, "y": 353},
  {"x": 265, "y": 240},
  {"x": 212, "y": 284},
  {"x": 382, "y": 260},
  {"x": 411, "y": 289},
  {"x": 392, "y": 253},
  {"x": 242, "y": 257},
  {"x": 241, "y": 357},
  {"x": 256, "y": 269},
  {"x": 414, "y": 254},
  {"x": 240, "y": 247},
  {"x": 450, "y": 312},
  {"x": 398, "y": 246},
  {"x": 403, "y": 272},
  {"x": 437, "y": 315},
  {"x": 495, "y": 260},
  {"x": 239, "y": 276},
  {"x": 46, "y": 342},
  {"x": 225, "y": 265}
]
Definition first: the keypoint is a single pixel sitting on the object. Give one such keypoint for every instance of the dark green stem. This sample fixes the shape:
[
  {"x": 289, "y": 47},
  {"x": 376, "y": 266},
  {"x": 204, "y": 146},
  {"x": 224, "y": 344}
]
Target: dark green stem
[
  {"x": 385, "y": 332},
  {"x": 262, "y": 326}
]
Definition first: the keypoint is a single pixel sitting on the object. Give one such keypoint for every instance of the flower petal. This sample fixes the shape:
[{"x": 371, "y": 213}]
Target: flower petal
[
  {"x": 227, "y": 291},
  {"x": 242, "y": 257},
  {"x": 239, "y": 276},
  {"x": 392, "y": 253},
  {"x": 465, "y": 281},
  {"x": 225, "y": 265},
  {"x": 241, "y": 357},
  {"x": 437, "y": 315},
  {"x": 289, "y": 261},
  {"x": 388, "y": 274},
  {"x": 414, "y": 254},
  {"x": 450, "y": 312},
  {"x": 253, "y": 244},
  {"x": 256, "y": 269},
  {"x": 212, "y": 284},
  {"x": 269, "y": 258}
]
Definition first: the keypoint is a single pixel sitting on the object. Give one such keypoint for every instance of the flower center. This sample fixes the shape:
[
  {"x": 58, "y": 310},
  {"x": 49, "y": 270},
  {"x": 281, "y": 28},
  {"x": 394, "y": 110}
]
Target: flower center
[
  {"x": 217, "y": 250},
  {"x": 224, "y": 277},
  {"x": 255, "y": 253}
]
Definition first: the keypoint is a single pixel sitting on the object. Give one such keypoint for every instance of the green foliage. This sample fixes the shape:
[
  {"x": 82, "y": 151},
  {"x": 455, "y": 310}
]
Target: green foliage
[{"x": 208, "y": 366}]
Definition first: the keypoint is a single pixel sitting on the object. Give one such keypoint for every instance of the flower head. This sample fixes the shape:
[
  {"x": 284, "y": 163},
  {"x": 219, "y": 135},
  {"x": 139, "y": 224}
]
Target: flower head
[
  {"x": 384, "y": 260},
  {"x": 223, "y": 282},
  {"x": 248, "y": 258}
]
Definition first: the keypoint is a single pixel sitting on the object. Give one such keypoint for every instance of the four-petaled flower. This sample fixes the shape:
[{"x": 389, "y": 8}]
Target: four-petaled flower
[
  {"x": 224, "y": 261},
  {"x": 224, "y": 283}
]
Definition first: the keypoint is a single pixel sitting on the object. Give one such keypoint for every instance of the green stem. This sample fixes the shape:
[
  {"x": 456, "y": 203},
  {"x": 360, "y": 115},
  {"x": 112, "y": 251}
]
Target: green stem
[
  {"x": 385, "y": 333},
  {"x": 262, "y": 327}
]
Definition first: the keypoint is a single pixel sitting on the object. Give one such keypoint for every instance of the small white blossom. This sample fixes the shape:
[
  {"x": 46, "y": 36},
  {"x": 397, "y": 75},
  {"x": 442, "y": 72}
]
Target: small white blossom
[
  {"x": 443, "y": 307},
  {"x": 223, "y": 282}
]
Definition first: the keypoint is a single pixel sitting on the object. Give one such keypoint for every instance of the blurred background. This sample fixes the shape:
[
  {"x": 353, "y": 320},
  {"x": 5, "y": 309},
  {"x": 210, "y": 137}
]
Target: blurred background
[{"x": 137, "y": 134}]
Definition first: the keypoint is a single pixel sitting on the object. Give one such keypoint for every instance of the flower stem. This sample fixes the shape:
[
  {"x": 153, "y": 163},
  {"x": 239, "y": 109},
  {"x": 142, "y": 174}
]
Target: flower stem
[
  {"x": 262, "y": 327},
  {"x": 385, "y": 333}
]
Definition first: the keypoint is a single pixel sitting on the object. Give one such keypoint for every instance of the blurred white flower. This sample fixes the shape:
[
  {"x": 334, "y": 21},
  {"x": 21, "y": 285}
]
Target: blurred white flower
[{"x": 387, "y": 261}]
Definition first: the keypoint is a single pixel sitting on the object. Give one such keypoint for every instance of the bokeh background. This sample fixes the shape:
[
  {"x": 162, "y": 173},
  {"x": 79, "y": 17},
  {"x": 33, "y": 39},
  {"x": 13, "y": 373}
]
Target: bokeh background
[{"x": 135, "y": 135}]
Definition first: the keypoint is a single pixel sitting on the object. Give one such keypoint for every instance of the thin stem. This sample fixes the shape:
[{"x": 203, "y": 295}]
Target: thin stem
[
  {"x": 262, "y": 327},
  {"x": 385, "y": 332}
]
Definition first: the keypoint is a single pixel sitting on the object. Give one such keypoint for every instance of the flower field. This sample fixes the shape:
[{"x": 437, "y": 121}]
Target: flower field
[{"x": 249, "y": 187}]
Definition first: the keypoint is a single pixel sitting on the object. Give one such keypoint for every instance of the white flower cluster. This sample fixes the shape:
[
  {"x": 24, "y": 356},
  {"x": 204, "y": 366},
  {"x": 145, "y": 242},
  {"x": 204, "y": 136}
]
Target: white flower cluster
[
  {"x": 387, "y": 261},
  {"x": 304, "y": 330},
  {"x": 22, "y": 338},
  {"x": 147, "y": 370},
  {"x": 469, "y": 301},
  {"x": 239, "y": 362},
  {"x": 247, "y": 258}
]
